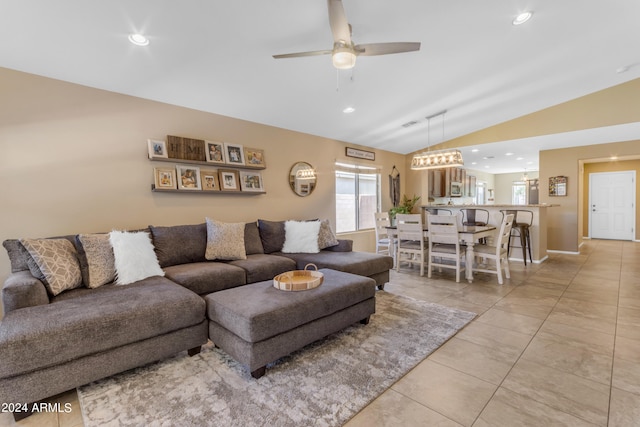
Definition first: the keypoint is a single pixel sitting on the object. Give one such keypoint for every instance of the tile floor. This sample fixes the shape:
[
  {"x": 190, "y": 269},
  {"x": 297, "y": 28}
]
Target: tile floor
[{"x": 558, "y": 344}]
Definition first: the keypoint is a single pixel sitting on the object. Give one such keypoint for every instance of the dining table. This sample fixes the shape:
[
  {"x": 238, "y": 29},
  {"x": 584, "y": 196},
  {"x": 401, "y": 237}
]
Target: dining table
[{"x": 469, "y": 235}]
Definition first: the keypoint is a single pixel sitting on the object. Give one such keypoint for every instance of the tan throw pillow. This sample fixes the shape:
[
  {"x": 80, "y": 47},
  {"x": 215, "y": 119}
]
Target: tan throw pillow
[
  {"x": 58, "y": 261},
  {"x": 326, "y": 237},
  {"x": 225, "y": 241},
  {"x": 97, "y": 262}
]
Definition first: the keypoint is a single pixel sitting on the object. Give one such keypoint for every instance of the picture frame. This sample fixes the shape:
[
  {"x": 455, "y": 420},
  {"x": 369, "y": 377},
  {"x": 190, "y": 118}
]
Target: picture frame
[
  {"x": 360, "y": 154},
  {"x": 188, "y": 177},
  {"x": 234, "y": 154},
  {"x": 254, "y": 157},
  {"x": 229, "y": 180},
  {"x": 251, "y": 181},
  {"x": 558, "y": 186},
  {"x": 215, "y": 152},
  {"x": 165, "y": 178},
  {"x": 157, "y": 149},
  {"x": 210, "y": 180}
]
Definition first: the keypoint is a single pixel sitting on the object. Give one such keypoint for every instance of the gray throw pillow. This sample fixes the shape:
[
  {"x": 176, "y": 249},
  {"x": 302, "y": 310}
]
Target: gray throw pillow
[
  {"x": 179, "y": 244},
  {"x": 252, "y": 242},
  {"x": 272, "y": 235},
  {"x": 18, "y": 255}
]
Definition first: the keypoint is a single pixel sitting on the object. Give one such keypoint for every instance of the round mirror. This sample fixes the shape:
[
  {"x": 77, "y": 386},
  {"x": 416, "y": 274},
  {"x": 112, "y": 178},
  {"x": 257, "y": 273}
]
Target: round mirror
[{"x": 302, "y": 179}]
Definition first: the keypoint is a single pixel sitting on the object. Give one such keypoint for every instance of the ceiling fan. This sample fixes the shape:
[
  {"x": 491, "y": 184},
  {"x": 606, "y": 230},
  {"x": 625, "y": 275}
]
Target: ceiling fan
[{"x": 344, "y": 50}]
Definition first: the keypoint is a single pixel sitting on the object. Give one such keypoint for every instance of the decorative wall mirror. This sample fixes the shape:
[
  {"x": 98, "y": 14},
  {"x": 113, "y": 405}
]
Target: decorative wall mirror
[{"x": 302, "y": 179}]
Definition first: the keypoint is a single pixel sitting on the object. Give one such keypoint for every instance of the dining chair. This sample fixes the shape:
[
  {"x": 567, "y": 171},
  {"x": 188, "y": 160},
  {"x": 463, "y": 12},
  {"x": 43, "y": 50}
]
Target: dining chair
[
  {"x": 444, "y": 243},
  {"x": 498, "y": 253},
  {"x": 410, "y": 240},
  {"x": 522, "y": 222},
  {"x": 383, "y": 242}
]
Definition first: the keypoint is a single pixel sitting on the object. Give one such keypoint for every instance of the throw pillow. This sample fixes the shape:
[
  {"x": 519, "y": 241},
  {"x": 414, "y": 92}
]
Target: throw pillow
[
  {"x": 272, "y": 235},
  {"x": 225, "y": 241},
  {"x": 326, "y": 237},
  {"x": 18, "y": 255},
  {"x": 301, "y": 237},
  {"x": 179, "y": 244},
  {"x": 57, "y": 259},
  {"x": 134, "y": 256},
  {"x": 252, "y": 242},
  {"x": 97, "y": 263}
]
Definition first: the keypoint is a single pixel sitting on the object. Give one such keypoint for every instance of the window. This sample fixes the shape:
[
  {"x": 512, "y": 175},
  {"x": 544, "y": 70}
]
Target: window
[
  {"x": 357, "y": 197},
  {"x": 519, "y": 193}
]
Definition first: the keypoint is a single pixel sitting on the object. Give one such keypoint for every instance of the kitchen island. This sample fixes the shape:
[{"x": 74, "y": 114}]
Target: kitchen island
[{"x": 538, "y": 229}]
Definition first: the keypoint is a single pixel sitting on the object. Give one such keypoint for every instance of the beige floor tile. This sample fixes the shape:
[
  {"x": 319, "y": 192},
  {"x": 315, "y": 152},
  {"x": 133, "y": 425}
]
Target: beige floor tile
[
  {"x": 628, "y": 323},
  {"x": 392, "y": 409},
  {"x": 625, "y": 409},
  {"x": 455, "y": 395},
  {"x": 628, "y": 349},
  {"x": 532, "y": 307},
  {"x": 626, "y": 375},
  {"x": 510, "y": 342},
  {"x": 488, "y": 364},
  {"x": 563, "y": 391},
  {"x": 588, "y": 315},
  {"x": 512, "y": 321},
  {"x": 509, "y": 409},
  {"x": 597, "y": 341},
  {"x": 602, "y": 296},
  {"x": 572, "y": 356},
  {"x": 42, "y": 419},
  {"x": 630, "y": 302}
]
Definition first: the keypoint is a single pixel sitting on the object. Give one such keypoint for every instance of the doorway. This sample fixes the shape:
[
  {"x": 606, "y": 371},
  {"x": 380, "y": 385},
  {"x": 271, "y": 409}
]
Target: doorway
[{"x": 612, "y": 205}]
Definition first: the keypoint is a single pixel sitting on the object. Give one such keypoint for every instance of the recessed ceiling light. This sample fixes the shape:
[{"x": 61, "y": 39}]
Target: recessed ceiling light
[
  {"x": 474, "y": 163},
  {"x": 487, "y": 167},
  {"x": 508, "y": 154},
  {"x": 475, "y": 150},
  {"x": 519, "y": 158},
  {"x": 529, "y": 163},
  {"x": 522, "y": 18},
  {"x": 138, "y": 39},
  {"x": 348, "y": 110}
]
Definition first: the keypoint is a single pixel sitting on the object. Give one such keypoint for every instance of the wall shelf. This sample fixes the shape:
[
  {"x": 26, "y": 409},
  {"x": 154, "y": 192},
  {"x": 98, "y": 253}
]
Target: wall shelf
[
  {"x": 211, "y": 193},
  {"x": 209, "y": 164}
]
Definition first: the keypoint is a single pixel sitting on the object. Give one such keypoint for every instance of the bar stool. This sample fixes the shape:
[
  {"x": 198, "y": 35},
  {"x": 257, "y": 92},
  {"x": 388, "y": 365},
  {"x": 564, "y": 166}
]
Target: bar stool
[
  {"x": 475, "y": 217},
  {"x": 522, "y": 221}
]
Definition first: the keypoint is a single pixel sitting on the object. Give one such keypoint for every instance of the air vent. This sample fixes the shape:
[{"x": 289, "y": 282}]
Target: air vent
[{"x": 409, "y": 124}]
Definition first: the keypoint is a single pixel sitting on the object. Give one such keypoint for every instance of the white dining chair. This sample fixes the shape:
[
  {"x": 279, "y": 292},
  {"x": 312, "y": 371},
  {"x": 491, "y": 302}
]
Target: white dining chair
[
  {"x": 410, "y": 240},
  {"x": 498, "y": 253},
  {"x": 444, "y": 243},
  {"x": 383, "y": 242}
]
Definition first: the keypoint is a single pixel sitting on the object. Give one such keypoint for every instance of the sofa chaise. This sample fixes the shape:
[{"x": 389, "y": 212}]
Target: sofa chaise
[{"x": 53, "y": 343}]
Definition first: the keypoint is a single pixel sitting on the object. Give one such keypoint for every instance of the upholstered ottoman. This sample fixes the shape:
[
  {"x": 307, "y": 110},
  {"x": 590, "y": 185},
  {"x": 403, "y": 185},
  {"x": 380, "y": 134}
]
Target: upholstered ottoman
[{"x": 257, "y": 324}]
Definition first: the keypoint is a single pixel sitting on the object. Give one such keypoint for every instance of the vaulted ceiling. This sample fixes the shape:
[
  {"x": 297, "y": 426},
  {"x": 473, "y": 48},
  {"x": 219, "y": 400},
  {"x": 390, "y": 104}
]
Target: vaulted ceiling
[{"x": 216, "y": 56}]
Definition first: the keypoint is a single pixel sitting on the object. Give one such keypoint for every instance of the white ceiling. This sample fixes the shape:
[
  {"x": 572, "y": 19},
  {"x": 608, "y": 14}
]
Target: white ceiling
[{"x": 216, "y": 56}]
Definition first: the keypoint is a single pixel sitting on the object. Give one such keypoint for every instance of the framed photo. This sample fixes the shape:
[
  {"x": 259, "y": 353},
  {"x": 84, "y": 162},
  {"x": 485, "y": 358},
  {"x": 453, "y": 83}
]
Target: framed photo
[
  {"x": 157, "y": 149},
  {"x": 188, "y": 177},
  {"x": 210, "y": 181},
  {"x": 234, "y": 153},
  {"x": 214, "y": 152},
  {"x": 251, "y": 181},
  {"x": 229, "y": 180},
  {"x": 165, "y": 178},
  {"x": 254, "y": 157},
  {"x": 558, "y": 186}
]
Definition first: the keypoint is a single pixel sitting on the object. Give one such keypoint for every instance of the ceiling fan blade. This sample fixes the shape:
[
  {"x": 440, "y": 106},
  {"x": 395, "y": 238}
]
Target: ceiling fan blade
[
  {"x": 300, "y": 54},
  {"x": 338, "y": 22},
  {"x": 372, "y": 49}
]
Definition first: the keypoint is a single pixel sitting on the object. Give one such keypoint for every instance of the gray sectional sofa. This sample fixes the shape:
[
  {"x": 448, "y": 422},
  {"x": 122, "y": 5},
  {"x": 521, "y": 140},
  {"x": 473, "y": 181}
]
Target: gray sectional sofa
[{"x": 50, "y": 344}]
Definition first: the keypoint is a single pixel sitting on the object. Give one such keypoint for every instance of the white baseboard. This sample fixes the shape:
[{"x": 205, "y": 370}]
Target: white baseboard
[
  {"x": 563, "y": 252},
  {"x": 535, "y": 261}
]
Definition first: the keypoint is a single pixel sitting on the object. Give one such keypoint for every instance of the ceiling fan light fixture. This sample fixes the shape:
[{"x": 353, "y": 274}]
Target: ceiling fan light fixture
[
  {"x": 522, "y": 18},
  {"x": 344, "y": 58}
]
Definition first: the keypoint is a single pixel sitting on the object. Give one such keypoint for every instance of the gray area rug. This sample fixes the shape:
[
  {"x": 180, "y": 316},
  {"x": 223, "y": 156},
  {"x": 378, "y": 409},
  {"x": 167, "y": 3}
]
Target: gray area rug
[{"x": 324, "y": 384}]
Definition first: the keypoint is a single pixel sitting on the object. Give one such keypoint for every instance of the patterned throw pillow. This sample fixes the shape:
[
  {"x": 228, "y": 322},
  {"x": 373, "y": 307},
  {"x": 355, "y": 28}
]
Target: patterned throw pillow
[
  {"x": 301, "y": 237},
  {"x": 57, "y": 259},
  {"x": 134, "y": 256},
  {"x": 225, "y": 241},
  {"x": 97, "y": 263},
  {"x": 326, "y": 237}
]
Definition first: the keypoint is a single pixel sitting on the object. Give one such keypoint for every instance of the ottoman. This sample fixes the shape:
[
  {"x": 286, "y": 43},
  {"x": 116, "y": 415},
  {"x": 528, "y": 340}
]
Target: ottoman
[{"x": 257, "y": 324}]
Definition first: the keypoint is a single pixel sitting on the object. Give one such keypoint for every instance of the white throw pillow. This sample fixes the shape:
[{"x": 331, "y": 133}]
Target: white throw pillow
[
  {"x": 134, "y": 256},
  {"x": 301, "y": 237},
  {"x": 225, "y": 241}
]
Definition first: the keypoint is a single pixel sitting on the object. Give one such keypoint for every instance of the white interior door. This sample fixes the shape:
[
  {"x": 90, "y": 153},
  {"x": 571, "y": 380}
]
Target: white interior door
[{"x": 612, "y": 205}]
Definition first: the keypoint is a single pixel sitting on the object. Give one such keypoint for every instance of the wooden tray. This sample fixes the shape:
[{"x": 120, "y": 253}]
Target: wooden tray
[{"x": 299, "y": 280}]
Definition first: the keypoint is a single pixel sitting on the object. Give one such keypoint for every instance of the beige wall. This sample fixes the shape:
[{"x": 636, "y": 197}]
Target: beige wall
[
  {"x": 74, "y": 160},
  {"x": 614, "y": 166},
  {"x": 504, "y": 183},
  {"x": 565, "y": 223}
]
